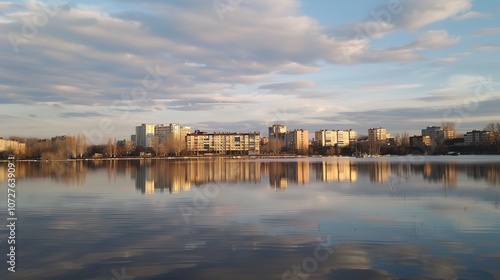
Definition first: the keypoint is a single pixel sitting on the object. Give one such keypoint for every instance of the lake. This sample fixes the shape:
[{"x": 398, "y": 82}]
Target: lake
[{"x": 298, "y": 218}]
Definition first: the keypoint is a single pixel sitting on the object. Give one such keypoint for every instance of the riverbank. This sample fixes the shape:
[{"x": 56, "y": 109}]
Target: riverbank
[{"x": 204, "y": 157}]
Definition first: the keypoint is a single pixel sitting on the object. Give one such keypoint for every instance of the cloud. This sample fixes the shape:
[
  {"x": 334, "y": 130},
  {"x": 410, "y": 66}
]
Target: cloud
[
  {"x": 445, "y": 60},
  {"x": 289, "y": 85},
  {"x": 418, "y": 14},
  {"x": 389, "y": 87},
  {"x": 81, "y": 114},
  {"x": 487, "y": 47},
  {"x": 430, "y": 40},
  {"x": 472, "y": 15},
  {"x": 406, "y": 118},
  {"x": 486, "y": 31},
  {"x": 434, "y": 39}
]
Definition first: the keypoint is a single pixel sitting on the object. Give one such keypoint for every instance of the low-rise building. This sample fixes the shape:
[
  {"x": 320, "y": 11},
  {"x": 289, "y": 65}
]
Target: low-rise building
[
  {"x": 420, "y": 140},
  {"x": 479, "y": 137}
]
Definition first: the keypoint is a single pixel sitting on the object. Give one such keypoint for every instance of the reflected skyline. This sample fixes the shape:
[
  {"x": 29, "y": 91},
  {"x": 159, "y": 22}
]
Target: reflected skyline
[{"x": 153, "y": 176}]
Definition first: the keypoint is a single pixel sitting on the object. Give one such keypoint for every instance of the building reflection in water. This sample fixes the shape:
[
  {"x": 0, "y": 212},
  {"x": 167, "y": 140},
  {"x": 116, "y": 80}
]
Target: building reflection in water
[
  {"x": 445, "y": 173},
  {"x": 282, "y": 173},
  {"x": 175, "y": 176},
  {"x": 339, "y": 171},
  {"x": 65, "y": 172},
  {"x": 377, "y": 171}
]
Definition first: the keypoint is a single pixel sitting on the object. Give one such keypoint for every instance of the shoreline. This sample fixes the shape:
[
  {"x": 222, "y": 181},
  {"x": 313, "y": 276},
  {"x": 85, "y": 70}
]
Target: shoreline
[
  {"x": 163, "y": 158},
  {"x": 246, "y": 157}
]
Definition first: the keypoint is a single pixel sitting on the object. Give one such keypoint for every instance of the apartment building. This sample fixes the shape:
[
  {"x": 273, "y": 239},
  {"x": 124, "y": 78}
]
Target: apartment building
[
  {"x": 171, "y": 131},
  {"x": 12, "y": 146},
  {"x": 277, "y": 131},
  {"x": 479, "y": 137},
  {"x": 420, "y": 140},
  {"x": 341, "y": 138},
  {"x": 377, "y": 134},
  {"x": 232, "y": 143},
  {"x": 297, "y": 140},
  {"x": 143, "y": 135}
]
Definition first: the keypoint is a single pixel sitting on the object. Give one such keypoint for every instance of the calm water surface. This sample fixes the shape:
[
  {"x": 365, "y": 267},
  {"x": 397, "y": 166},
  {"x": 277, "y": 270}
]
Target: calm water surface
[{"x": 308, "y": 218}]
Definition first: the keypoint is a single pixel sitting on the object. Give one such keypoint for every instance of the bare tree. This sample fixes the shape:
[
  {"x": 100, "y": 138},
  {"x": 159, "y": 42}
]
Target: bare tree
[
  {"x": 448, "y": 125},
  {"x": 174, "y": 146},
  {"x": 110, "y": 149},
  {"x": 129, "y": 147},
  {"x": 405, "y": 139},
  {"x": 397, "y": 139},
  {"x": 114, "y": 147},
  {"x": 155, "y": 144},
  {"x": 81, "y": 145},
  {"x": 495, "y": 128},
  {"x": 162, "y": 149},
  {"x": 70, "y": 146},
  {"x": 275, "y": 146}
]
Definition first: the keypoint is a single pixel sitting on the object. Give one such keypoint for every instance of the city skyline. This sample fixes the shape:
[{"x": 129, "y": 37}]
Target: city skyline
[{"x": 91, "y": 66}]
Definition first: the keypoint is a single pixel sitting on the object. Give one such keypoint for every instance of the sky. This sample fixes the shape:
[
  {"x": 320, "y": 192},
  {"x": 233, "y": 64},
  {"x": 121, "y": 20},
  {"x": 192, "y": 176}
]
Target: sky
[{"x": 103, "y": 67}]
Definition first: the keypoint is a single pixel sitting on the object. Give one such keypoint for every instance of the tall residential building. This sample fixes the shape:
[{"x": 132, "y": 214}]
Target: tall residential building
[
  {"x": 171, "y": 131},
  {"x": 297, "y": 139},
  {"x": 377, "y": 134},
  {"x": 143, "y": 135},
  {"x": 184, "y": 131},
  {"x": 345, "y": 137},
  {"x": 277, "y": 131},
  {"x": 223, "y": 143},
  {"x": 435, "y": 133},
  {"x": 326, "y": 138},
  {"x": 449, "y": 133}
]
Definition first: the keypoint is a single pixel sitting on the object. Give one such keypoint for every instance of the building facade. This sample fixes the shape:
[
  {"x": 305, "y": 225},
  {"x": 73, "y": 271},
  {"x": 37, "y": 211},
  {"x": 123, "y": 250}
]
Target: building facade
[
  {"x": 325, "y": 138},
  {"x": 377, "y": 134},
  {"x": 435, "y": 133},
  {"x": 420, "y": 140},
  {"x": 341, "y": 138},
  {"x": 277, "y": 131},
  {"x": 223, "y": 143},
  {"x": 171, "y": 131},
  {"x": 479, "y": 137},
  {"x": 297, "y": 140},
  {"x": 12, "y": 146},
  {"x": 449, "y": 133},
  {"x": 143, "y": 135}
]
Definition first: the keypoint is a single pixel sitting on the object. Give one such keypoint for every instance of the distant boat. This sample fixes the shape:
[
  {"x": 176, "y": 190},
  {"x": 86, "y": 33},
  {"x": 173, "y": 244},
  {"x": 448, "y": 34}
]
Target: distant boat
[{"x": 453, "y": 154}]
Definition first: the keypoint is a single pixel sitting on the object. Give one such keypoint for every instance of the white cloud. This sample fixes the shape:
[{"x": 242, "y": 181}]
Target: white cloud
[
  {"x": 434, "y": 39},
  {"x": 289, "y": 85},
  {"x": 417, "y": 14},
  {"x": 445, "y": 60},
  {"x": 389, "y": 87},
  {"x": 487, "y": 47},
  {"x": 471, "y": 15},
  {"x": 487, "y": 31}
]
